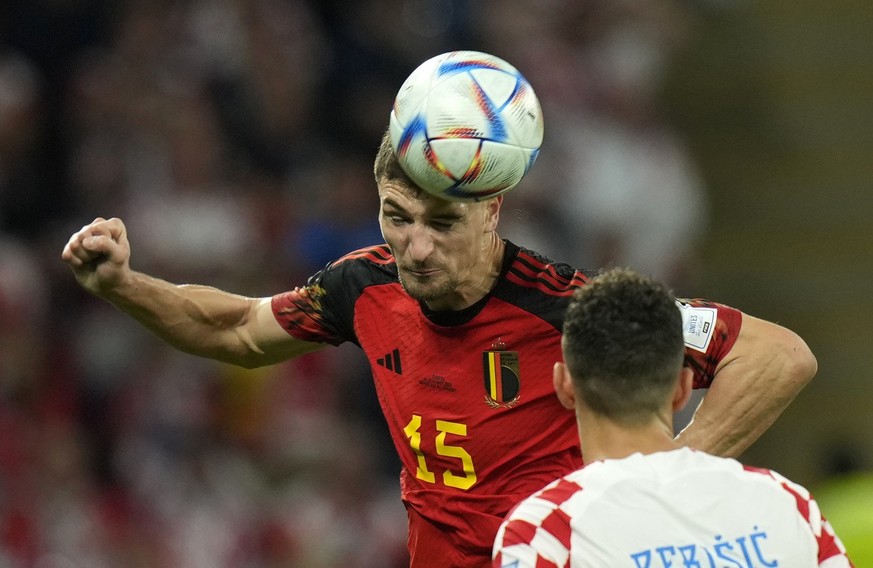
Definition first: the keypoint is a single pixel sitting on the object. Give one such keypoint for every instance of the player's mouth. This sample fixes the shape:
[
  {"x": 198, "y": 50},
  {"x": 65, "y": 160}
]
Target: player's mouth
[{"x": 423, "y": 273}]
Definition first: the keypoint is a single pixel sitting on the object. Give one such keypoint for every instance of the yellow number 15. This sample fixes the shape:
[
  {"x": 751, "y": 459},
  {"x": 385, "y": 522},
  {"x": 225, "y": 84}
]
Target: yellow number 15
[{"x": 443, "y": 427}]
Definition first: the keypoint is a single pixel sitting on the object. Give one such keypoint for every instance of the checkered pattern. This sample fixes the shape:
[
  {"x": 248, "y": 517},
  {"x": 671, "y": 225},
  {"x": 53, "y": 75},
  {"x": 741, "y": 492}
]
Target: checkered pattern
[
  {"x": 830, "y": 548},
  {"x": 611, "y": 511},
  {"x": 538, "y": 533}
]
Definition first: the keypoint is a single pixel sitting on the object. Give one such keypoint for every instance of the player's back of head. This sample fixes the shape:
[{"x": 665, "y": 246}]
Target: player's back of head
[{"x": 623, "y": 344}]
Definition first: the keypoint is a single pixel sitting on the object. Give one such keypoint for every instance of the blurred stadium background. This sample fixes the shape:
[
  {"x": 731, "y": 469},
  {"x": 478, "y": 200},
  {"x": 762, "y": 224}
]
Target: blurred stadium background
[{"x": 723, "y": 145}]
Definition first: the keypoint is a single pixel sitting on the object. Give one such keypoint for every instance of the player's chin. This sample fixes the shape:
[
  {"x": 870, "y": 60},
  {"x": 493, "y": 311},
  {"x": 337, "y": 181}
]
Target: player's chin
[{"x": 423, "y": 289}]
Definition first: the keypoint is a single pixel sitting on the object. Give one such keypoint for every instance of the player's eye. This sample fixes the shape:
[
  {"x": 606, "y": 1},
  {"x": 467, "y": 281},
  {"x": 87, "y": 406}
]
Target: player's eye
[
  {"x": 397, "y": 219},
  {"x": 442, "y": 225}
]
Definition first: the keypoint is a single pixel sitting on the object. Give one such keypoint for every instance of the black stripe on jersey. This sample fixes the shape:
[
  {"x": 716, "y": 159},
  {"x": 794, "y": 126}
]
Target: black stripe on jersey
[
  {"x": 541, "y": 296},
  {"x": 539, "y": 280},
  {"x": 544, "y": 268},
  {"x": 555, "y": 276}
]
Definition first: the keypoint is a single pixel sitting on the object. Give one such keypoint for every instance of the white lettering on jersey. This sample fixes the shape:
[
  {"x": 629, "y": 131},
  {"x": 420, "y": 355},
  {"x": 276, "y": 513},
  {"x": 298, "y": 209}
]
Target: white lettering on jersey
[{"x": 698, "y": 325}]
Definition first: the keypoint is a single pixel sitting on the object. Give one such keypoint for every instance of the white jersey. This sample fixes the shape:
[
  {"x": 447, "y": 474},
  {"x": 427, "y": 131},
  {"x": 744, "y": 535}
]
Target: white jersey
[{"x": 680, "y": 508}]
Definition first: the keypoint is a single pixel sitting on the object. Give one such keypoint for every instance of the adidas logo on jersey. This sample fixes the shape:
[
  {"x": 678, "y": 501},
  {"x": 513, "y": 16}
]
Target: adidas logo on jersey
[{"x": 391, "y": 361}]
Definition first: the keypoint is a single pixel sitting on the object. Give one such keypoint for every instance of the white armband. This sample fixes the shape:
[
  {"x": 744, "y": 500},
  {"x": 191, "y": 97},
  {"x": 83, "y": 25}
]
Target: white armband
[{"x": 698, "y": 325}]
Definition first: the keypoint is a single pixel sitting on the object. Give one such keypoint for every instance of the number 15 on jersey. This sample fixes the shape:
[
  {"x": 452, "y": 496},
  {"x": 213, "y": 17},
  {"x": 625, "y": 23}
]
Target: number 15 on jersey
[{"x": 464, "y": 476}]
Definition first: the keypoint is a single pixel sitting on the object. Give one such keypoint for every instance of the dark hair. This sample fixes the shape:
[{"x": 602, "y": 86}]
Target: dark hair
[{"x": 623, "y": 344}]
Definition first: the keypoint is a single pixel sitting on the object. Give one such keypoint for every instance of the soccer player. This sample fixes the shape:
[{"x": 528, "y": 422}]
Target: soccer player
[
  {"x": 461, "y": 329},
  {"x": 643, "y": 499}
]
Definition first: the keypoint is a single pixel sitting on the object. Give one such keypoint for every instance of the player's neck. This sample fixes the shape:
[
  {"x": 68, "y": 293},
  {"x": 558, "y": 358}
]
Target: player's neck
[
  {"x": 492, "y": 258},
  {"x": 484, "y": 278},
  {"x": 602, "y": 438}
]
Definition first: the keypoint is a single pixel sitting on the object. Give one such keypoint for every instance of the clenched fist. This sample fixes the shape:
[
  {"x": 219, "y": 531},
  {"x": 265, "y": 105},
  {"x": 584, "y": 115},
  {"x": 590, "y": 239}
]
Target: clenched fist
[{"x": 99, "y": 255}]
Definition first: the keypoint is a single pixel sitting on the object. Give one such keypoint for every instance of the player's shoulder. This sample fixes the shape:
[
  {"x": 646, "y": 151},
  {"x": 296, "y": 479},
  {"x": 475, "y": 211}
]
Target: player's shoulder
[
  {"x": 542, "y": 504},
  {"x": 744, "y": 474},
  {"x": 380, "y": 255},
  {"x": 531, "y": 270},
  {"x": 362, "y": 267},
  {"x": 537, "y": 284},
  {"x": 777, "y": 481}
]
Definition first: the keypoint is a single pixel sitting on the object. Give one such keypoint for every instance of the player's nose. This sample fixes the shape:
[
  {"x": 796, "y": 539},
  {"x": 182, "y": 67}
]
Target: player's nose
[{"x": 421, "y": 243}]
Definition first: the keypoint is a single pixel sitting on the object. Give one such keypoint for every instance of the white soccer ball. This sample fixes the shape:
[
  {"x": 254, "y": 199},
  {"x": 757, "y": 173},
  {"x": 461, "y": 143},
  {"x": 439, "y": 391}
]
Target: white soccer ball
[{"x": 466, "y": 126}]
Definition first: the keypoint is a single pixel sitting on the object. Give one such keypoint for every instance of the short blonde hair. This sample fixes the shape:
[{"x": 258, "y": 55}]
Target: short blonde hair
[{"x": 387, "y": 166}]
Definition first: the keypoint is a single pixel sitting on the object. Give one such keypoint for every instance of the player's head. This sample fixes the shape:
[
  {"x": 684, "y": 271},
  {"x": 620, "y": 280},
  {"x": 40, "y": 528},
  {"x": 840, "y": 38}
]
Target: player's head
[
  {"x": 441, "y": 247},
  {"x": 623, "y": 345},
  {"x": 387, "y": 166}
]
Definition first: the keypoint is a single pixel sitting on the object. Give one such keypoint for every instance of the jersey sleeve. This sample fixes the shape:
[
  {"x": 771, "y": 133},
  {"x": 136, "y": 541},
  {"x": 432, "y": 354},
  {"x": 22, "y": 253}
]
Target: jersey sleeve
[
  {"x": 537, "y": 531},
  {"x": 831, "y": 552},
  {"x": 522, "y": 556},
  {"x": 322, "y": 311},
  {"x": 710, "y": 331},
  {"x": 522, "y": 544}
]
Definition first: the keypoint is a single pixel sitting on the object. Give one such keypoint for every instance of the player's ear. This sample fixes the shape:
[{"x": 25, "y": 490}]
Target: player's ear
[
  {"x": 564, "y": 386},
  {"x": 684, "y": 387},
  {"x": 492, "y": 213}
]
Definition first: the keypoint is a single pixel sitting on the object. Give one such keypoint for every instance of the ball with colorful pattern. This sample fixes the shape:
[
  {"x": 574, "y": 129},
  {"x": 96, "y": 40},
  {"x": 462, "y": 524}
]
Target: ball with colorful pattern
[{"x": 466, "y": 126}]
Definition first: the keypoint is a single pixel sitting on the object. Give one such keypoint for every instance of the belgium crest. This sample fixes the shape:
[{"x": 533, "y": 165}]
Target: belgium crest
[{"x": 501, "y": 376}]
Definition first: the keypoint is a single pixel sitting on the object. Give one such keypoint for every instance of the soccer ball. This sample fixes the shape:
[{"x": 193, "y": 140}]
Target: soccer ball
[{"x": 466, "y": 126}]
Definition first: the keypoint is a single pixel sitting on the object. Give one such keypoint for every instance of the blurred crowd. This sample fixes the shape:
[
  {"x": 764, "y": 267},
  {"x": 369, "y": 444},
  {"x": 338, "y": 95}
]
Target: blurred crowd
[{"x": 236, "y": 139}]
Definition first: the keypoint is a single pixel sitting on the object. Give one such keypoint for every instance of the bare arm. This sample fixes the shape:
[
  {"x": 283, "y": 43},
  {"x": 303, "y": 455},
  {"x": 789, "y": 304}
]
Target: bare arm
[
  {"x": 763, "y": 372},
  {"x": 200, "y": 320}
]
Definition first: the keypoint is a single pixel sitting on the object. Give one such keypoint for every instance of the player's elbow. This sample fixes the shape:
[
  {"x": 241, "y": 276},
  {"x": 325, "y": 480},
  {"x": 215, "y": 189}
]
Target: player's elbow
[
  {"x": 245, "y": 352},
  {"x": 800, "y": 363}
]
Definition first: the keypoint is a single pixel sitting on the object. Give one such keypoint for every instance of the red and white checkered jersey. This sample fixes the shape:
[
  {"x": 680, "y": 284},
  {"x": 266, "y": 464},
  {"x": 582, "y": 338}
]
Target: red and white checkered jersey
[{"x": 681, "y": 508}]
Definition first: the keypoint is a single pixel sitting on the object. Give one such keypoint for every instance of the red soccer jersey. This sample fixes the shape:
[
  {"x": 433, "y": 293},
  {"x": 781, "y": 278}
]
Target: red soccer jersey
[{"x": 467, "y": 395}]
